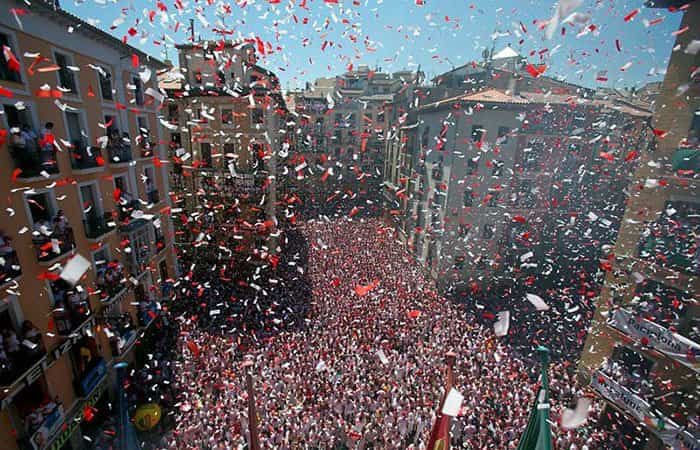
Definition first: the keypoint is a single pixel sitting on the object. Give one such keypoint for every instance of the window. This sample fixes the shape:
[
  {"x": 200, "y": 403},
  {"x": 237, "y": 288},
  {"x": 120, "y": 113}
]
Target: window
[
  {"x": 105, "y": 84},
  {"x": 227, "y": 116},
  {"x": 472, "y": 166},
  {"x": 468, "y": 197},
  {"x": 173, "y": 113},
  {"x": 338, "y": 135},
  {"x": 380, "y": 117},
  {"x": 142, "y": 124},
  {"x": 138, "y": 90},
  {"x": 497, "y": 169},
  {"x": 111, "y": 123},
  {"x": 258, "y": 116},
  {"x": 74, "y": 124},
  {"x": 487, "y": 231},
  {"x": 205, "y": 153},
  {"x": 425, "y": 137},
  {"x": 478, "y": 132},
  {"x": 41, "y": 209},
  {"x": 503, "y": 134},
  {"x": 338, "y": 119},
  {"x": 6, "y": 73},
  {"x": 100, "y": 258},
  {"x": 66, "y": 77},
  {"x": 18, "y": 117},
  {"x": 459, "y": 263},
  {"x": 90, "y": 200}
]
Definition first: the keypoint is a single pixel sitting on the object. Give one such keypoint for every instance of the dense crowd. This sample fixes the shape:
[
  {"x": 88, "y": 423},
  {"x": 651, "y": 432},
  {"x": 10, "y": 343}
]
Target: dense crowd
[{"x": 361, "y": 368}]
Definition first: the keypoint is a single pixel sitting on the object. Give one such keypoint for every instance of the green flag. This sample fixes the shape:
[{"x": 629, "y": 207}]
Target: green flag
[{"x": 538, "y": 434}]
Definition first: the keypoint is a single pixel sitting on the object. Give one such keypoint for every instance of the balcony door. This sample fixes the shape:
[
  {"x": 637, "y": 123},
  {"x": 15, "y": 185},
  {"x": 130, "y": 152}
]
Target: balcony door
[{"x": 75, "y": 129}]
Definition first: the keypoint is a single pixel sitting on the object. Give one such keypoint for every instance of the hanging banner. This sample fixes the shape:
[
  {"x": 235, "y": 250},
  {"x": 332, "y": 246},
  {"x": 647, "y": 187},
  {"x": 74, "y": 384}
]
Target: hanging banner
[
  {"x": 662, "y": 339},
  {"x": 668, "y": 431}
]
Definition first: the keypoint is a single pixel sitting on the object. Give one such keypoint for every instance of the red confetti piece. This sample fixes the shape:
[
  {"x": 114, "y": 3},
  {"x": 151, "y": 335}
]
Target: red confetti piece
[
  {"x": 134, "y": 60},
  {"x": 631, "y": 15},
  {"x": 660, "y": 133},
  {"x": 16, "y": 172},
  {"x": 6, "y": 92}
]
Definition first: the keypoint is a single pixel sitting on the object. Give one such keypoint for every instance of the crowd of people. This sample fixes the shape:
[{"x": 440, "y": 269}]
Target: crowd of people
[{"x": 350, "y": 358}]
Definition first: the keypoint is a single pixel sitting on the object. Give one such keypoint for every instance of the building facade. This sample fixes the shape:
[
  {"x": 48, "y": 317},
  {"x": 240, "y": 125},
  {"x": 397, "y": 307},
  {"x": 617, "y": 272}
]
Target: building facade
[
  {"x": 342, "y": 134},
  {"x": 641, "y": 354},
  {"x": 84, "y": 176},
  {"x": 228, "y": 138}
]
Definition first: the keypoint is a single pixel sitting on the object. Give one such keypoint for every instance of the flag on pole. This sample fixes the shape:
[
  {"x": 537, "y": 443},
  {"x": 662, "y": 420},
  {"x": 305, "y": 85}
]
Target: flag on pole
[
  {"x": 538, "y": 434},
  {"x": 440, "y": 434}
]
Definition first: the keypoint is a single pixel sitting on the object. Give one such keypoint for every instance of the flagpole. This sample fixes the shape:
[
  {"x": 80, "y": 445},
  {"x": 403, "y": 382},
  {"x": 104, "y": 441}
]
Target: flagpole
[
  {"x": 440, "y": 434},
  {"x": 254, "y": 440}
]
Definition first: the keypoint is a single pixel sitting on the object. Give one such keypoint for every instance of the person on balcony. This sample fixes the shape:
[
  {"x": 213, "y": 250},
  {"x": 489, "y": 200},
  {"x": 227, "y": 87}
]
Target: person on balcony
[
  {"x": 11, "y": 343},
  {"x": 46, "y": 143},
  {"x": 60, "y": 223}
]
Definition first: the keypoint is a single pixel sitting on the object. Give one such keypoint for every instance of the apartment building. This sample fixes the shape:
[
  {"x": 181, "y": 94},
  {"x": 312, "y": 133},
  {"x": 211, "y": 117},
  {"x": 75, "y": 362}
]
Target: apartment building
[
  {"x": 343, "y": 124},
  {"x": 228, "y": 136},
  {"x": 469, "y": 175},
  {"x": 83, "y": 176},
  {"x": 641, "y": 353}
]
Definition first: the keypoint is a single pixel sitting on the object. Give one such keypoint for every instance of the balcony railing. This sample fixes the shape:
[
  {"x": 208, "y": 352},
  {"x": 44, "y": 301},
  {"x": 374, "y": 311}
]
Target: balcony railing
[
  {"x": 119, "y": 153},
  {"x": 9, "y": 264},
  {"x": 31, "y": 352},
  {"x": 98, "y": 225},
  {"x": 84, "y": 156},
  {"x": 68, "y": 317},
  {"x": 32, "y": 160},
  {"x": 42, "y": 433},
  {"x": 55, "y": 245}
]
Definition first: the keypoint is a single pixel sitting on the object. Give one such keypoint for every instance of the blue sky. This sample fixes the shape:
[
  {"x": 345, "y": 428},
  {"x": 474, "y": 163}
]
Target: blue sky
[{"x": 398, "y": 34}]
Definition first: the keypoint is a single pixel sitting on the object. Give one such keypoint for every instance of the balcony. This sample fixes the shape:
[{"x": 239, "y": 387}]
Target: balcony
[
  {"x": 119, "y": 153},
  {"x": 85, "y": 157},
  {"x": 71, "y": 307},
  {"x": 635, "y": 405},
  {"x": 111, "y": 281},
  {"x": 686, "y": 162},
  {"x": 153, "y": 196},
  {"x": 54, "y": 245},
  {"x": 670, "y": 241},
  {"x": 676, "y": 346},
  {"x": 32, "y": 160},
  {"x": 97, "y": 225},
  {"x": 25, "y": 350},
  {"x": 121, "y": 332},
  {"x": 9, "y": 263}
]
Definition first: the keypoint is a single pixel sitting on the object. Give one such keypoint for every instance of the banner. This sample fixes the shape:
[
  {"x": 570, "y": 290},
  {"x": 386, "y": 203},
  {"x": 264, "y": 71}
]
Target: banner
[
  {"x": 662, "y": 339},
  {"x": 668, "y": 431}
]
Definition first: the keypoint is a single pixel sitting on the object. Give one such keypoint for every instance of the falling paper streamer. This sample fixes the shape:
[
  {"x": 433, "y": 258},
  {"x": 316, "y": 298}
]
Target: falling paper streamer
[
  {"x": 574, "y": 418},
  {"x": 453, "y": 403},
  {"x": 74, "y": 269},
  {"x": 382, "y": 357},
  {"x": 536, "y": 300},
  {"x": 502, "y": 324},
  {"x": 563, "y": 9}
]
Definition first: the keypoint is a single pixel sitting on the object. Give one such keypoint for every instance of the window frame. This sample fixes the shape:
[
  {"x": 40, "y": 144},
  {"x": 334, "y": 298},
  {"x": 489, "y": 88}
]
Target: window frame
[{"x": 70, "y": 61}]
